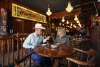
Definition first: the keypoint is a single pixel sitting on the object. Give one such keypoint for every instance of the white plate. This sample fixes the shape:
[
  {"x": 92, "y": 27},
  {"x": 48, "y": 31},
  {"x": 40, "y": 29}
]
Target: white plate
[
  {"x": 44, "y": 44},
  {"x": 53, "y": 46}
]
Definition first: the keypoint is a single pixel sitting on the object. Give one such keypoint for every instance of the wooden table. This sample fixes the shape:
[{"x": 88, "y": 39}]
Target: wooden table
[{"x": 61, "y": 51}]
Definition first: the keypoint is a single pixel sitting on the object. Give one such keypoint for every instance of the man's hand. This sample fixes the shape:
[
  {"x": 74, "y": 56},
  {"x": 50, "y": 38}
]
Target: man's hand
[{"x": 47, "y": 38}]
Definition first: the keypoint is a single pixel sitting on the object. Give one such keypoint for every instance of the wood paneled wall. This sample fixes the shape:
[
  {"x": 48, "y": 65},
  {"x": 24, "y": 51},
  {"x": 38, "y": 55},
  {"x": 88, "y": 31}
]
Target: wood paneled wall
[{"x": 22, "y": 26}]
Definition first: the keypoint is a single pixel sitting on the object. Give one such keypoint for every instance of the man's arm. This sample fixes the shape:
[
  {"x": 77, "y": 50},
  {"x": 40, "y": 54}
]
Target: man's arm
[{"x": 29, "y": 42}]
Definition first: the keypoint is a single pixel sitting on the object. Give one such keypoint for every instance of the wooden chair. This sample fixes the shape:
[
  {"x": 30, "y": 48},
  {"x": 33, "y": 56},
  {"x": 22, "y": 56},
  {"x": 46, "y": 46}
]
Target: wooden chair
[{"x": 80, "y": 62}]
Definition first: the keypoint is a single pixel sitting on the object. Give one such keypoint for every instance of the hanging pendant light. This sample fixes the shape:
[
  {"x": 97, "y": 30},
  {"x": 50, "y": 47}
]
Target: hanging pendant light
[
  {"x": 63, "y": 24},
  {"x": 74, "y": 26},
  {"x": 71, "y": 24},
  {"x": 69, "y": 7},
  {"x": 48, "y": 12},
  {"x": 60, "y": 24},
  {"x": 95, "y": 8},
  {"x": 76, "y": 18},
  {"x": 63, "y": 20},
  {"x": 78, "y": 22},
  {"x": 67, "y": 22},
  {"x": 80, "y": 25},
  {"x": 97, "y": 14}
]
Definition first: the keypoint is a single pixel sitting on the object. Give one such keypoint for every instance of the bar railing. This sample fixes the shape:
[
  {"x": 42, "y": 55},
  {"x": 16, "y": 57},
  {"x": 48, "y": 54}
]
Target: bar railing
[
  {"x": 11, "y": 48},
  {"x": 26, "y": 60}
]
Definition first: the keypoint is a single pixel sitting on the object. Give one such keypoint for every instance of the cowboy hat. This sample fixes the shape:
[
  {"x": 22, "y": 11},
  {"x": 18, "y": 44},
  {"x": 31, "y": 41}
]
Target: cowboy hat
[{"x": 38, "y": 25}]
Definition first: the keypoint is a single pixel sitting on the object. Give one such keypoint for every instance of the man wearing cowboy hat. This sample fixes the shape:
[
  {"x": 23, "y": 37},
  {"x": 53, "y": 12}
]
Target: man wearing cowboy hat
[{"x": 33, "y": 40}]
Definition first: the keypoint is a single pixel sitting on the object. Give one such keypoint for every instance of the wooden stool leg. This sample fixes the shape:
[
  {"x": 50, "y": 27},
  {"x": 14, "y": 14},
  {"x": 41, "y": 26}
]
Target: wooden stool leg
[{"x": 56, "y": 62}]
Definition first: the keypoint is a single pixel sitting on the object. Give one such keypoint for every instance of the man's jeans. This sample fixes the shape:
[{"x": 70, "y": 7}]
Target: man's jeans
[
  {"x": 42, "y": 61},
  {"x": 35, "y": 57}
]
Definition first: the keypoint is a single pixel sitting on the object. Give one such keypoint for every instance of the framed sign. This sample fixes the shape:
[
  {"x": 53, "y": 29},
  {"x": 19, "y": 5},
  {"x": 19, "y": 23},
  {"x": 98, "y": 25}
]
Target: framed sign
[{"x": 24, "y": 13}]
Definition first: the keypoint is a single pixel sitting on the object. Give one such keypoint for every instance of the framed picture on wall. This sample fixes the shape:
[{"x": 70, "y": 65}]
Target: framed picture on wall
[{"x": 3, "y": 21}]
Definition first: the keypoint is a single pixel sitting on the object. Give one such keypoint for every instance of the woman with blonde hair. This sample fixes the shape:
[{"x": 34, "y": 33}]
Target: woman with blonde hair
[{"x": 61, "y": 37}]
